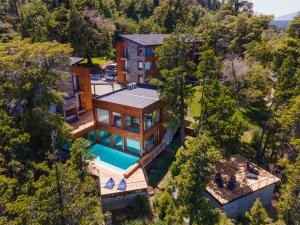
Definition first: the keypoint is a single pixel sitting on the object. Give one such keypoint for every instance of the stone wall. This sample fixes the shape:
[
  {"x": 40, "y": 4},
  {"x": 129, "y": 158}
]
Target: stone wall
[
  {"x": 239, "y": 206},
  {"x": 133, "y": 60}
]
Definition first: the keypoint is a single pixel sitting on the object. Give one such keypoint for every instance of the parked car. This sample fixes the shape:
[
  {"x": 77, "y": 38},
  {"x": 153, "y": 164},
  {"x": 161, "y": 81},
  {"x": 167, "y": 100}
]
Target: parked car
[
  {"x": 111, "y": 67},
  {"x": 110, "y": 76}
]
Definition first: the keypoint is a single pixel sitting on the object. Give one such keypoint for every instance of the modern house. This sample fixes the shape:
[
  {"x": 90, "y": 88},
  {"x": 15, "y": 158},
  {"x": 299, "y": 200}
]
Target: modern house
[
  {"x": 238, "y": 183},
  {"x": 77, "y": 87},
  {"x": 135, "y": 57},
  {"x": 129, "y": 120},
  {"x": 127, "y": 134}
]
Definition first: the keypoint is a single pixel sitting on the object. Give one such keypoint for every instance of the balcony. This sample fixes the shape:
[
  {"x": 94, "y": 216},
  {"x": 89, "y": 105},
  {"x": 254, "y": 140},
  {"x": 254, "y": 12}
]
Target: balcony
[{"x": 79, "y": 89}]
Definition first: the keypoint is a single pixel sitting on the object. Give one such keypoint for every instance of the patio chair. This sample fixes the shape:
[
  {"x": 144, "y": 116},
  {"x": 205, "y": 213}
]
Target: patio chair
[
  {"x": 219, "y": 180},
  {"x": 122, "y": 185},
  {"x": 252, "y": 176},
  {"x": 110, "y": 184},
  {"x": 231, "y": 183},
  {"x": 252, "y": 169}
]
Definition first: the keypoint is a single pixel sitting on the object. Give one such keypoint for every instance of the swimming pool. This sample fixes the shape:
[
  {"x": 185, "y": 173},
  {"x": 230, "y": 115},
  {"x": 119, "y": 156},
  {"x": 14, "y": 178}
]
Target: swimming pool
[{"x": 113, "y": 158}]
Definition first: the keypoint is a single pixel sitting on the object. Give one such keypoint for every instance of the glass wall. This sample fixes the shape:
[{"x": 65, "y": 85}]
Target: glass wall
[
  {"x": 118, "y": 140},
  {"x": 103, "y": 116},
  {"x": 132, "y": 124},
  {"x": 149, "y": 143},
  {"x": 133, "y": 146},
  {"x": 151, "y": 119},
  {"x": 104, "y": 137},
  {"x": 117, "y": 119},
  {"x": 90, "y": 136}
]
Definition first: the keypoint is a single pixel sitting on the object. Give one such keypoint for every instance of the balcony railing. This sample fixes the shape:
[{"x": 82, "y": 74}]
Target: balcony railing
[{"x": 245, "y": 190}]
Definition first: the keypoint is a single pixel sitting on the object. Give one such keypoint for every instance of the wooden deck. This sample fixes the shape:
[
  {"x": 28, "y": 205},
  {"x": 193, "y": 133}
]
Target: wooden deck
[
  {"x": 237, "y": 165},
  {"x": 136, "y": 182},
  {"x": 83, "y": 125}
]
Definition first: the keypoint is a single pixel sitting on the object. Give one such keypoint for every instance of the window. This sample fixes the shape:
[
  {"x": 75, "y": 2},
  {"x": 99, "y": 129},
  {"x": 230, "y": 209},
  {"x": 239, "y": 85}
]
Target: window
[
  {"x": 118, "y": 140},
  {"x": 148, "y": 51},
  {"x": 139, "y": 51},
  {"x": 151, "y": 119},
  {"x": 125, "y": 52},
  {"x": 117, "y": 119},
  {"x": 103, "y": 116},
  {"x": 147, "y": 65},
  {"x": 104, "y": 137},
  {"x": 149, "y": 143},
  {"x": 140, "y": 65},
  {"x": 132, "y": 124},
  {"x": 90, "y": 136},
  {"x": 133, "y": 146},
  {"x": 154, "y": 65},
  {"x": 126, "y": 65}
]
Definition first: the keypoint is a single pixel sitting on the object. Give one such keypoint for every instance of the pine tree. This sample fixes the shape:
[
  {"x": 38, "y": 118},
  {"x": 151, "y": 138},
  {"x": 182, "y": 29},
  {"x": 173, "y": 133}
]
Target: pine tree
[{"x": 257, "y": 215}]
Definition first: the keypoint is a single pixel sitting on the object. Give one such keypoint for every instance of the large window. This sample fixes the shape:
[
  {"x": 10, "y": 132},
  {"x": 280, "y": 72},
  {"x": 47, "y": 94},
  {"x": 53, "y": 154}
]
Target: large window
[
  {"x": 132, "y": 124},
  {"x": 117, "y": 119},
  {"x": 147, "y": 65},
  {"x": 104, "y": 137},
  {"x": 149, "y": 143},
  {"x": 148, "y": 51},
  {"x": 103, "y": 116},
  {"x": 118, "y": 140},
  {"x": 90, "y": 136},
  {"x": 151, "y": 119},
  {"x": 133, "y": 145}
]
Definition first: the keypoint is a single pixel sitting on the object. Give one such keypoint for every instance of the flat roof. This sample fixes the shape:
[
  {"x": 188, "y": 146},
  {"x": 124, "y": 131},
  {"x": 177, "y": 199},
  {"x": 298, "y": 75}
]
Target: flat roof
[
  {"x": 138, "y": 97},
  {"x": 146, "y": 39},
  {"x": 237, "y": 166}
]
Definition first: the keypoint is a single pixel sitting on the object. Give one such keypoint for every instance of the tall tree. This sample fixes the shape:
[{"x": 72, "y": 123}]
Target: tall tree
[
  {"x": 289, "y": 203},
  {"x": 175, "y": 65},
  {"x": 90, "y": 34},
  {"x": 79, "y": 193},
  {"x": 192, "y": 172},
  {"x": 35, "y": 21},
  {"x": 257, "y": 215}
]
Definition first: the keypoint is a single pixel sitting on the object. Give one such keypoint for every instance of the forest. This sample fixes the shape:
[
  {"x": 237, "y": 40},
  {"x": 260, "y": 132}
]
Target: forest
[{"x": 246, "y": 91}]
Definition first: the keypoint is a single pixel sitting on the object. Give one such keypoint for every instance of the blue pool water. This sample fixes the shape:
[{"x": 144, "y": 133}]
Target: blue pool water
[{"x": 116, "y": 159}]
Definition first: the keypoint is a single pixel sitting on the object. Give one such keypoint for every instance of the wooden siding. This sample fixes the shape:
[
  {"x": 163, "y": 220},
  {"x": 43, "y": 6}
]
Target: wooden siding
[{"x": 84, "y": 80}]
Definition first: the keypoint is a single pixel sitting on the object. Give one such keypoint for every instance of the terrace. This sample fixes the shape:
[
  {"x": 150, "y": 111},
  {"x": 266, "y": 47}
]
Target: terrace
[{"x": 237, "y": 166}]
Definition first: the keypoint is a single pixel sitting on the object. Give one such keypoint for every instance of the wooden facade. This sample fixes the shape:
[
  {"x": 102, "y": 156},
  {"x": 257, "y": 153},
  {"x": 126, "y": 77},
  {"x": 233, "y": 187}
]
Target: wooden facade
[
  {"x": 157, "y": 130},
  {"x": 84, "y": 89}
]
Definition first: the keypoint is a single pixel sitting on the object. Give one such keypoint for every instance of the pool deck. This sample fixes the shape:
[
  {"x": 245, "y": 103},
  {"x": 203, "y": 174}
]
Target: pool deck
[{"x": 136, "y": 182}]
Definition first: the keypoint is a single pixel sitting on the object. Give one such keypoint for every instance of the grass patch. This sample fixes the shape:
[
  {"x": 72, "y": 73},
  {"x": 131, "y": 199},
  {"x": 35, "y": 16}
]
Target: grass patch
[
  {"x": 99, "y": 60},
  {"x": 140, "y": 209},
  {"x": 194, "y": 106},
  {"x": 158, "y": 169},
  {"x": 249, "y": 134}
]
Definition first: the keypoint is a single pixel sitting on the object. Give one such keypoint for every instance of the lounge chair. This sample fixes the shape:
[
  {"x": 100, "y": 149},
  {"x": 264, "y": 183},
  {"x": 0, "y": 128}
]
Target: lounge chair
[
  {"x": 252, "y": 176},
  {"x": 252, "y": 169},
  {"x": 110, "y": 184},
  {"x": 122, "y": 185},
  {"x": 231, "y": 183},
  {"x": 219, "y": 180}
]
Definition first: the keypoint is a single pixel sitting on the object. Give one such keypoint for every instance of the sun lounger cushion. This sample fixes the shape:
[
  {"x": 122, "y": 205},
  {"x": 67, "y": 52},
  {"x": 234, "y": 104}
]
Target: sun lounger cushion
[
  {"x": 110, "y": 184},
  {"x": 122, "y": 185}
]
